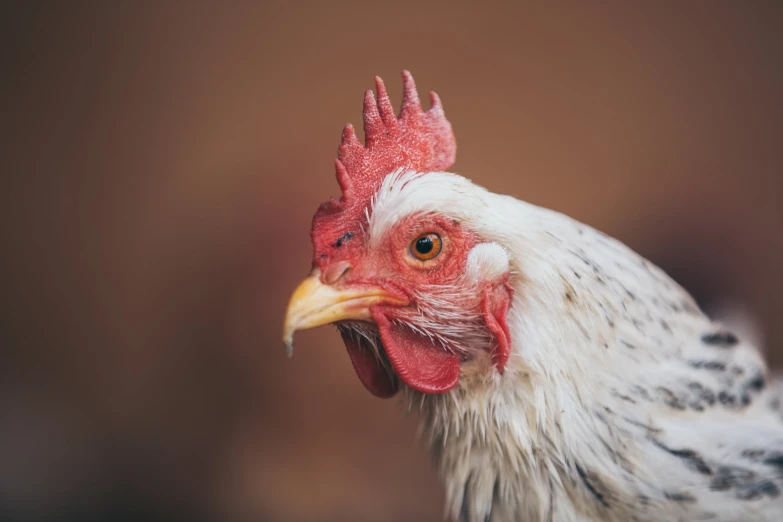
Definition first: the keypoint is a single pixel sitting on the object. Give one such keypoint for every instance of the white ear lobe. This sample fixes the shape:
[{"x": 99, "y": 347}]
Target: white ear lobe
[{"x": 487, "y": 261}]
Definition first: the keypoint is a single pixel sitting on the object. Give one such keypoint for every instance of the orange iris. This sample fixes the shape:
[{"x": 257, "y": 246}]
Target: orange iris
[{"x": 426, "y": 246}]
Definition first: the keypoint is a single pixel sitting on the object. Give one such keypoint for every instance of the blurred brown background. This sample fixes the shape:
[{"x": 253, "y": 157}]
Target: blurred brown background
[{"x": 162, "y": 165}]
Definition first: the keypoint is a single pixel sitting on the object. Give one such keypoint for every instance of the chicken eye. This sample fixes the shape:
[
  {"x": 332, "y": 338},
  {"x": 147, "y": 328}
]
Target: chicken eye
[{"x": 426, "y": 246}]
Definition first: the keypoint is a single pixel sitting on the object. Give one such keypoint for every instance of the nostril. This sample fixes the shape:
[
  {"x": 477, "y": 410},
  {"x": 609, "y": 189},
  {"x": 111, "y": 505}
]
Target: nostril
[{"x": 336, "y": 271}]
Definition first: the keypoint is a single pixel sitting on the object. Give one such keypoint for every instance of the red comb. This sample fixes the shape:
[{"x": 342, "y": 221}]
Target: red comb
[{"x": 416, "y": 140}]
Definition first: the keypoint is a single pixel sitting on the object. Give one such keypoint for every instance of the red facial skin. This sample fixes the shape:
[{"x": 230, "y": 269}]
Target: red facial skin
[
  {"x": 415, "y": 358},
  {"x": 392, "y": 266}
]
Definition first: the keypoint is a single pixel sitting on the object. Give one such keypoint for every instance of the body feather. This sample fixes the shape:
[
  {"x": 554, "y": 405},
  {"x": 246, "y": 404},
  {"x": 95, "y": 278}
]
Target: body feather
[{"x": 621, "y": 400}]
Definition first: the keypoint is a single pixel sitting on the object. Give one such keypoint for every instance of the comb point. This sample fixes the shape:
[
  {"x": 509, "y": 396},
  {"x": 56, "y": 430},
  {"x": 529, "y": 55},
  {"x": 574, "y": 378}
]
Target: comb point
[
  {"x": 384, "y": 104},
  {"x": 373, "y": 126},
  {"x": 410, "y": 96},
  {"x": 343, "y": 179},
  {"x": 436, "y": 105},
  {"x": 349, "y": 136}
]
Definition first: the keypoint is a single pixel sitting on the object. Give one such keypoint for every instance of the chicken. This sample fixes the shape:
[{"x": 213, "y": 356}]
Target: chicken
[{"x": 559, "y": 376}]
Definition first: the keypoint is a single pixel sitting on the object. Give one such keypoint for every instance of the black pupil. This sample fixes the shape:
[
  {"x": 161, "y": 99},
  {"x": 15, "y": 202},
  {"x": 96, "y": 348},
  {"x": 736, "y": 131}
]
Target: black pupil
[{"x": 424, "y": 245}]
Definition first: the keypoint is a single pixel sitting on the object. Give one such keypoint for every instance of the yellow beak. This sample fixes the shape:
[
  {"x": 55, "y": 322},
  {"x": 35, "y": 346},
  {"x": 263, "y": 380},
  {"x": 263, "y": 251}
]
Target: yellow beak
[{"x": 314, "y": 304}]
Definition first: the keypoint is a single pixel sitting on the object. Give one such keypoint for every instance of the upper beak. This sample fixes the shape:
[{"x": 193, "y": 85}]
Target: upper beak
[{"x": 314, "y": 303}]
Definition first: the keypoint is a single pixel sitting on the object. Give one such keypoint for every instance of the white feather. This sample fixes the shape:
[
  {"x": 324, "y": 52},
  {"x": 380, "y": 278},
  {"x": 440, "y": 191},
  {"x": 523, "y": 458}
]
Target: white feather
[
  {"x": 611, "y": 407},
  {"x": 486, "y": 262}
]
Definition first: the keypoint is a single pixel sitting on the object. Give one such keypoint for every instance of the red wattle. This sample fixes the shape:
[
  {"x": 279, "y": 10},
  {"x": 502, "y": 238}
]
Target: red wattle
[
  {"x": 494, "y": 309},
  {"x": 368, "y": 368},
  {"x": 418, "y": 362}
]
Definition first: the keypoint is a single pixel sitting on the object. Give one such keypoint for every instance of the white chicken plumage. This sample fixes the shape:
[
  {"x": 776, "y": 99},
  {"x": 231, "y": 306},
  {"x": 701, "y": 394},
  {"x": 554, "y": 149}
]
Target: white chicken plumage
[
  {"x": 621, "y": 400},
  {"x": 616, "y": 399}
]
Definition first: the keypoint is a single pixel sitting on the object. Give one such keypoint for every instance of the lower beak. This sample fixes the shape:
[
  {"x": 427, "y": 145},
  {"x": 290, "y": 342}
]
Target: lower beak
[{"x": 314, "y": 304}]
